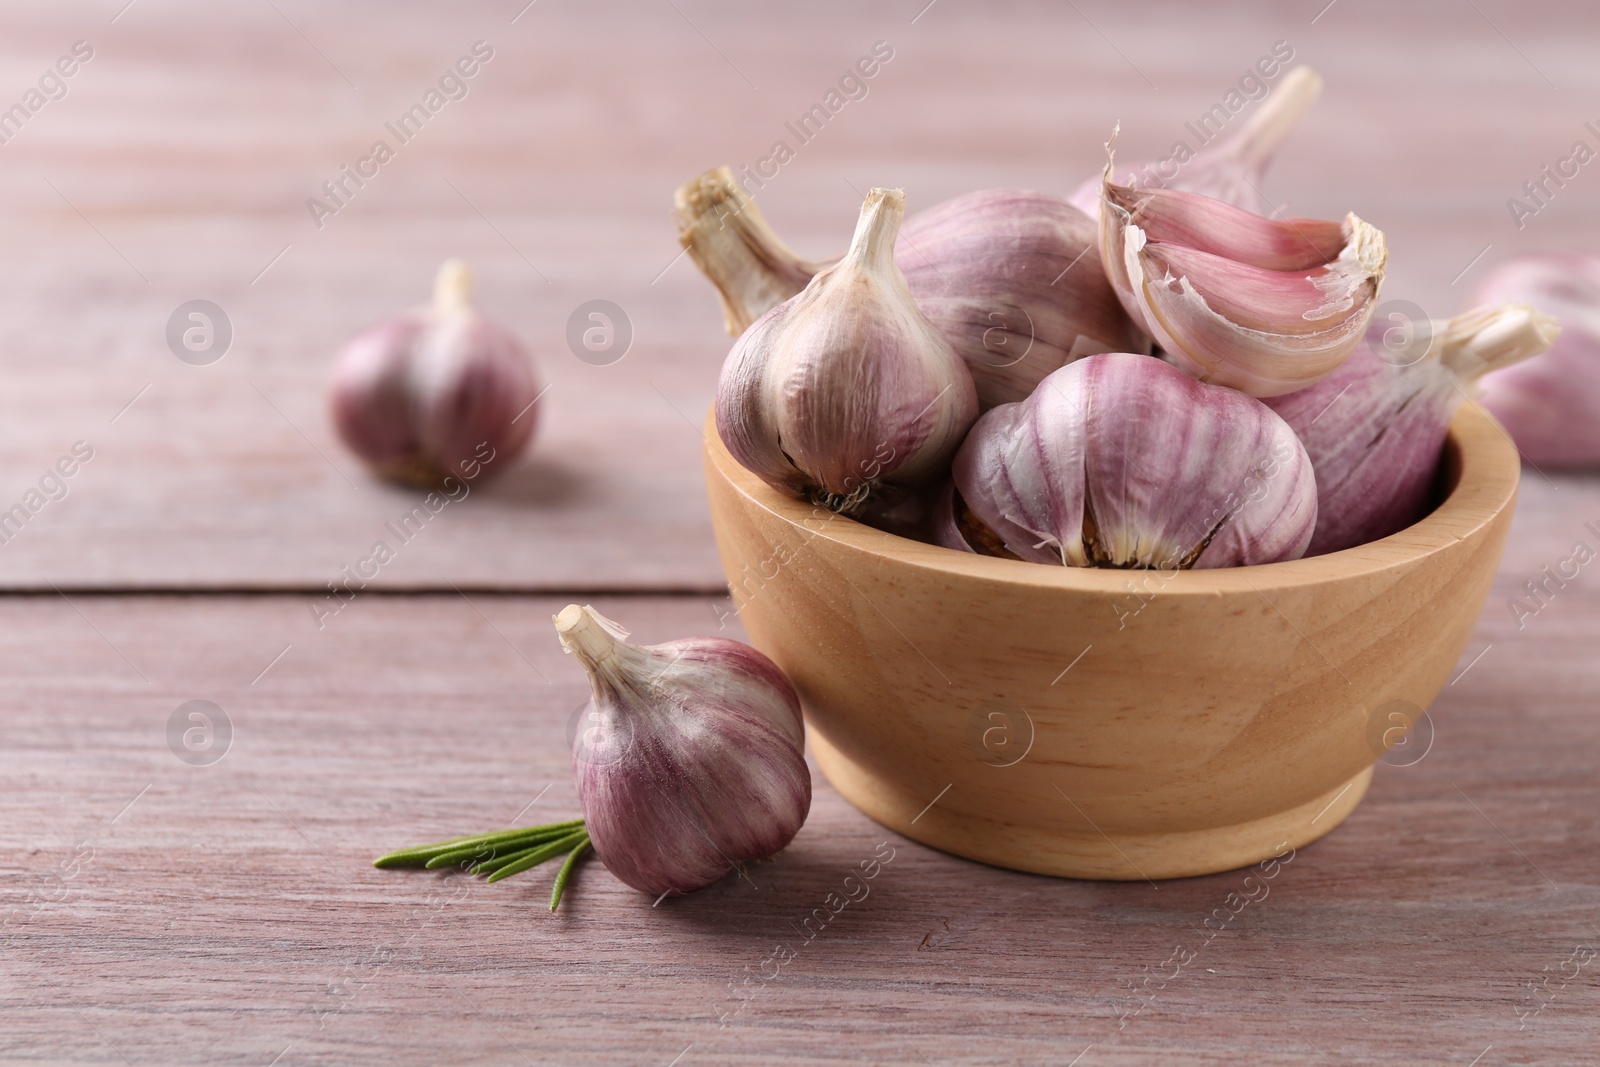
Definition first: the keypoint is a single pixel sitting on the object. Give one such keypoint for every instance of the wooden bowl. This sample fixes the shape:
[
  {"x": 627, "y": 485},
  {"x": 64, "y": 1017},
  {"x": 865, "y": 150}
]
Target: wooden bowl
[{"x": 1101, "y": 723}]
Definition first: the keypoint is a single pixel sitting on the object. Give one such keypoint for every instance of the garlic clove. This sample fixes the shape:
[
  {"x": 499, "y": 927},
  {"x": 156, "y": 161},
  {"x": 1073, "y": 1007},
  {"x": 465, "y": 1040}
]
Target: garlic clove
[
  {"x": 1119, "y": 460},
  {"x": 435, "y": 392},
  {"x": 1551, "y": 405},
  {"x": 1009, "y": 276},
  {"x": 1230, "y": 168},
  {"x": 1221, "y": 305},
  {"x": 847, "y": 385},
  {"x": 695, "y": 760},
  {"x": 731, "y": 242},
  {"x": 1376, "y": 427}
]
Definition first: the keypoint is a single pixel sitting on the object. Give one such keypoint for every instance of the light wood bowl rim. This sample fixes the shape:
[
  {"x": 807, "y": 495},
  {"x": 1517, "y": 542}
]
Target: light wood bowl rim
[{"x": 1489, "y": 467}]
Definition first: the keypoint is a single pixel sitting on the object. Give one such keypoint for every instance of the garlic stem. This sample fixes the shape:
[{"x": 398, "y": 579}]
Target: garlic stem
[
  {"x": 872, "y": 245},
  {"x": 734, "y": 246},
  {"x": 452, "y": 288},
  {"x": 1254, "y": 144},
  {"x": 587, "y": 634},
  {"x": 1488, "y": 338}
]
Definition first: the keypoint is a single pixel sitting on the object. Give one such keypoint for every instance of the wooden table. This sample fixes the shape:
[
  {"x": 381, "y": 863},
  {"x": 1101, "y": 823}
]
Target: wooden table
[{"x": 154, "y": 911}]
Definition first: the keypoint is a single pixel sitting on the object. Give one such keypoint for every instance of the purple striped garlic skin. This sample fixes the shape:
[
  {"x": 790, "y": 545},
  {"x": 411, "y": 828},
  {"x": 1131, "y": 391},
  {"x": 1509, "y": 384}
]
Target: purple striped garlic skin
[
  {"x": 694, "y": 757},
  {"x": 1551, "y": 405},
  {"x": 1012, "y": 279},
  {"x": 1120, "y": 460},
  {"x": 1264, "y": 306},
  {"x": 847, "y": 384},
  {"x": 1376, "y": 427},
  {"x": 1230, "y": 168},
  {"x": 440, "y": 390}
]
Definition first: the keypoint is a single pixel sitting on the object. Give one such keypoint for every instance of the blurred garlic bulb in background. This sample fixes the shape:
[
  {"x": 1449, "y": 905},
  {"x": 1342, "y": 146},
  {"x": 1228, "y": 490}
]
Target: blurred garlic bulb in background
[
  {"x": 1376, "y": 427},
  {"x": 1551, "y": 405},
  {"x": 846, "y": 385},
  {"x": 436, "y": 391},
  {"x": 1009, "y": 277},
  {"x": 1120, "y": 460},
  {"x": 1261, "y": 305}
]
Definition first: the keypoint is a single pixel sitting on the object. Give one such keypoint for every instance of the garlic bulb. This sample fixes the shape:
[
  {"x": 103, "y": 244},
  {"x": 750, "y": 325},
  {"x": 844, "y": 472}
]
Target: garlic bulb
[
  {"x": 437, "y": 391},
  {"x": 1376, "y": 427},
  {"x": 847, "y": 384},
  {"x": 1012, "y": 281},
  {"x": 1261, "y": 305},
  {"x": 1551, "y": 405},
  {"x": 1120, "y": 460},
  {"x": 1009, "y": 277},
  {"x": 695, "y": 761},
  {"x": 1231, "y": 167}
]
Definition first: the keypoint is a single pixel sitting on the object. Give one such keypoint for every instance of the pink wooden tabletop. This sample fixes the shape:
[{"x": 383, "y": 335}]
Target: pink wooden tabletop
[{"x": 154, "y": 912}]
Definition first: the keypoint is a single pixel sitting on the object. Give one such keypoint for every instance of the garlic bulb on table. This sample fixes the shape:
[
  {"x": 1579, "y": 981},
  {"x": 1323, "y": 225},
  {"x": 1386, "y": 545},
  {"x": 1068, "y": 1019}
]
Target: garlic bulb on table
[
  {"x": 1261, "y": 305},
  {"x": 437, "y": 391},
  {"x": 1375, "y": 428},
  {"x": 695, "y": 761},
  {"x": 846, "y": 385},
  {"x": 1551, "y": 405},
  {"x": 1010, "y": 277},
  {"x": 1231, "y": 167},
  {"x": 1120, "y": 460}
]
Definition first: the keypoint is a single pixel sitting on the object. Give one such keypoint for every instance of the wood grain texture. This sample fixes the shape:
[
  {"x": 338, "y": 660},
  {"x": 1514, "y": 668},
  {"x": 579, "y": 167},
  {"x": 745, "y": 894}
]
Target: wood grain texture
[
  {"x": 179, "y": 164},
  {"x": 229, "y": 915}
]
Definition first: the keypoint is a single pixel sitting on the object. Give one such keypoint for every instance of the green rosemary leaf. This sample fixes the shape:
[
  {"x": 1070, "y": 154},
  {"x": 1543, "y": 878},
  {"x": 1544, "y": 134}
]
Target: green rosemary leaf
[
  {"x": 494, "y": 863},
  {"x": 537, "y": 856},
  {"x": 566, "y": 871},
  {"x": 474, "y": 844}
]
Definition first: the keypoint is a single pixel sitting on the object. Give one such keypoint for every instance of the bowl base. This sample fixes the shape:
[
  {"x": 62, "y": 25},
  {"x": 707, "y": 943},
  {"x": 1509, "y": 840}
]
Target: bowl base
[{"x": 1091, "y": 854}]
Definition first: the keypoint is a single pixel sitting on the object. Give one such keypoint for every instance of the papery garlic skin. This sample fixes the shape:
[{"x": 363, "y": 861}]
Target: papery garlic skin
[
  {"x": 1231, "y": 167},
  {"x": 1012, "y": 280},
  {"x": 694, "y": 757},
  {"x": 1376, "y": 427},
  {"x": 1011, "y": 277},
  {"x": 1261, "y": 305},
  {"x": 1551, "y": 405},
  {"x": 437, "y": 391},
  {"x": 1120, "y": 460},
  {"x": 846, "y": 385}
]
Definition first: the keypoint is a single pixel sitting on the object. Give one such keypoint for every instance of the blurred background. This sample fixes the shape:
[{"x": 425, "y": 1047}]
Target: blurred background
[{"x": 179, "y": 163}]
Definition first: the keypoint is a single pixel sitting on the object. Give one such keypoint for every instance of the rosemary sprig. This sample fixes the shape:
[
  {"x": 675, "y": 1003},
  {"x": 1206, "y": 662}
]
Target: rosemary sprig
[{"x": 502, "y": 854}]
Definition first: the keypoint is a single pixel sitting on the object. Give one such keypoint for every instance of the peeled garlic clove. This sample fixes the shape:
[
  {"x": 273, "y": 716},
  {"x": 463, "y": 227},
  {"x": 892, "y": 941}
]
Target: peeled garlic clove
[
  {"x": 1229, "y": 168},
  {"x": 694, "y": 758},
  {"x": 1551, "y": 405},
  {"x": 1120, "y": 460},
  {"x": 731, "y": 242},
  {"x": 846, "y": 385},
  {"x": 1010, "y": 277},
  {"x": 1263, "y": 306},
  {"x": 1012, "y": 280},
  {"x": 1376, "y": 427},
  {"x": 437, "y": 391}
]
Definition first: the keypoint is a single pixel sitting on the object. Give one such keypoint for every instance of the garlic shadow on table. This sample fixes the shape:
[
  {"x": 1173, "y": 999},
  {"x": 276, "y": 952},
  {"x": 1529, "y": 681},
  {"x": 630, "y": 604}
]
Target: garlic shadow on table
[{"x": 541, "y": 481}]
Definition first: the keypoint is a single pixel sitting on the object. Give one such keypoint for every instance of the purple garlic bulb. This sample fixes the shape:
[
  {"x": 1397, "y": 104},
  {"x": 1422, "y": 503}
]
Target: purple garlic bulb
[
  {"x": 847, "y": 385},
  {"x": 1011, "y": 278},
  {"x": 1375, "y": 428},
  {"x": 1551, "y": 405},
  {"x": 437, "y": 391},
  {"x": 694, "y": 758},
  {"x": 1120, "y": 460}
]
